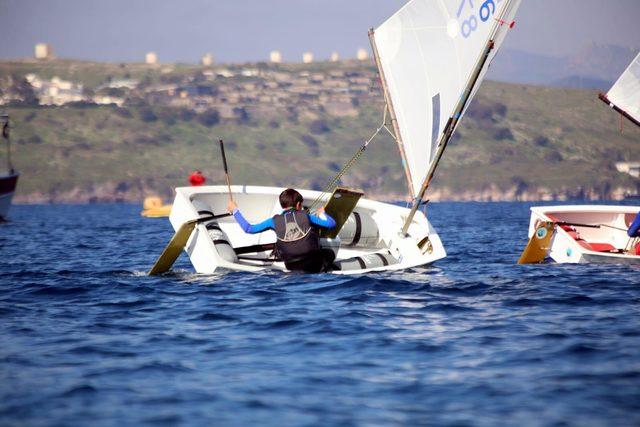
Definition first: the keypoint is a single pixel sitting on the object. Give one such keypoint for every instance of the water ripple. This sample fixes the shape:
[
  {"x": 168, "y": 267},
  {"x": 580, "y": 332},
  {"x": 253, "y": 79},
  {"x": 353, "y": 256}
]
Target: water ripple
[{"x": 89, "y": 339}]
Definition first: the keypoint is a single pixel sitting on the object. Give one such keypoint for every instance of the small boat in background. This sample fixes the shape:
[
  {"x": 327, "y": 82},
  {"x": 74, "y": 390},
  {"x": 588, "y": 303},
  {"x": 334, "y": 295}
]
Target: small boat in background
[
  {"x": 582, "y": 234},
  {"x": 9, "y": 179},
  {"x": 598, "y": 234},
  {"x": 154, "y": 207}
]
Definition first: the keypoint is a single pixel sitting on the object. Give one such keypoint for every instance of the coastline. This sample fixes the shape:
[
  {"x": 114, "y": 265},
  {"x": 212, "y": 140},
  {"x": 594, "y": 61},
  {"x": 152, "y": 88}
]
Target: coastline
[{"x": 118, "y": 193}]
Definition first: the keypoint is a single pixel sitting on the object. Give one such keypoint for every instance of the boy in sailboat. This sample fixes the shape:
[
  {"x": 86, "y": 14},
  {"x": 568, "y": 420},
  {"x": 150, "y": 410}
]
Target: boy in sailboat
[{"x": 298, "y": 241}]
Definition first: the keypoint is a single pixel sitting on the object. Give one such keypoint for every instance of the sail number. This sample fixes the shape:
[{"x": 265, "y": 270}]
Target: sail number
[{"x": 486, "y": 11}]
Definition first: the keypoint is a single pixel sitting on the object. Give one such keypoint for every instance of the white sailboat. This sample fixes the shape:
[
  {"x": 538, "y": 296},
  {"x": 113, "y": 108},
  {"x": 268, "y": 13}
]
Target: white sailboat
[
  {"x": 584, "y": 233},
  {"x": 432, "y": 56},
  {"x": 624, "y": 95}
]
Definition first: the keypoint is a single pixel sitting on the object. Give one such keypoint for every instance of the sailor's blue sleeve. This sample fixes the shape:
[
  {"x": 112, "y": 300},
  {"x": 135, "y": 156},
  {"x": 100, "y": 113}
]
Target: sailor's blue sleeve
[
  {"x": 634, "y": 228},
  {"x": 323, "y": 220},
  {"x": 253, "y": 228}
]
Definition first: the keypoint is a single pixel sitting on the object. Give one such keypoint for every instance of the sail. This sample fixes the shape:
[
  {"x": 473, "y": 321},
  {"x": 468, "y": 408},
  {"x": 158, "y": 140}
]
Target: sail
[
  {"x": 428, "y": 53},
  {"x": 625, "y": 93}
]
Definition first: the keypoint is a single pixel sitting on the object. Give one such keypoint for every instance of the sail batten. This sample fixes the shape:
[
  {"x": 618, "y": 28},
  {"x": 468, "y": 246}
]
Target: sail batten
[{"x": 428, "y": 52}]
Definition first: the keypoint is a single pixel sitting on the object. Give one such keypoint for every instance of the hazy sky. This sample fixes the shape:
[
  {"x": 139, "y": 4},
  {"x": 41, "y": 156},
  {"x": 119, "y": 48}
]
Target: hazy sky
[{"x": 246, "y": 30}]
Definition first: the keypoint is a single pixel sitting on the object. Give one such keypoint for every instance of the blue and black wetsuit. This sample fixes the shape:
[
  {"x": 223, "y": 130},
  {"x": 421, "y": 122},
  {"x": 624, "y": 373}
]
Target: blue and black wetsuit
[
  {"x": 323, "y": 221},
  {"x": 634, "y": 228},
  {"x": 298, "y": 242}
]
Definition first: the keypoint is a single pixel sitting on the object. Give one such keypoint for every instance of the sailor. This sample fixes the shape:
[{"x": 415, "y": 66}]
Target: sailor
[
  {"x": 298, "y": 243},
  {"x": 196, "y": 179},
  {"x": 634, "y": 228}
]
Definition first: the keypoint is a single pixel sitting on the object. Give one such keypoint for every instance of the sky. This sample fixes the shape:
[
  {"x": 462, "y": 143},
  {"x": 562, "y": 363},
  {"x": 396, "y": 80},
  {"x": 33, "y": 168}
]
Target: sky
[{"x": 247, "y": 30}]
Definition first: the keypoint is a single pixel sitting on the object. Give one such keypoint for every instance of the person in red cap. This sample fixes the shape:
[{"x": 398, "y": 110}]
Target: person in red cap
[{"x": 197, "y": 179}]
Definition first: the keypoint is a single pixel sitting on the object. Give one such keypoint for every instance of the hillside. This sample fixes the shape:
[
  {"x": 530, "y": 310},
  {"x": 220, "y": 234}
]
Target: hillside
[{"x": 517, "y": 141}]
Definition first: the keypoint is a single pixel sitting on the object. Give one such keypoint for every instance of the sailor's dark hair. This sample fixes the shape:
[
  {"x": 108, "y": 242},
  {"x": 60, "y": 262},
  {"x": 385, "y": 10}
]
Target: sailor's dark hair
[{"x": 290, "y": 198}]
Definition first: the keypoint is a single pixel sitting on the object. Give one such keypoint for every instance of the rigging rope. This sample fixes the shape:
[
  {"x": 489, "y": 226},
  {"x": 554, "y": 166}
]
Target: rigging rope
[{"x": 334, "y": 181}]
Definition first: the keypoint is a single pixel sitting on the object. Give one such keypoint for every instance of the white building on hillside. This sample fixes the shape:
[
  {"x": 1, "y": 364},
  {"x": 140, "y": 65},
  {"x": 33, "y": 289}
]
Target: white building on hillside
[
  {"x": 275, "y": 56},
  {"x": 108, "y": 100},
  {"x": 43, "y": 51},
  {"x": 632, "y": 168},
  {"x": 249, "y": 72},
  {"x": 55, "y": 91},
  {"x": 151, "y": 58},
  {"x": 307, "y": 57},
  {"x": 121, "y": 84},
  {"x": 207, "y": 60}
]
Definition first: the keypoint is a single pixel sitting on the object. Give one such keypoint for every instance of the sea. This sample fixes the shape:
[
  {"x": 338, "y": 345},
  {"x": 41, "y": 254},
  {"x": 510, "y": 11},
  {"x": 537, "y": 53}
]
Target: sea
[{"x": 88, "y": 339}]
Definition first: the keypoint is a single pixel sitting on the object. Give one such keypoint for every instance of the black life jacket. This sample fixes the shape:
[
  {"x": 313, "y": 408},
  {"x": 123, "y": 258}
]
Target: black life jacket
[{"x": 297, "y": 237}]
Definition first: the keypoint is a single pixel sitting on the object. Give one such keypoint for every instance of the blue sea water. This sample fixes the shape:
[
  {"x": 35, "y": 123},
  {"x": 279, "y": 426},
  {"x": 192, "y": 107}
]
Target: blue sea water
[{"x": 87, "y": 339}]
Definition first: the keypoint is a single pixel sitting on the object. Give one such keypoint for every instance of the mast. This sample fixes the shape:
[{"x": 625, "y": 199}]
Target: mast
[
  {"x": 392, "y": 113},
  {"x": 448, "y": 133},
  {"x": 606, "y": 100},
  {"x": 453, "y": 121},
  {"x": 5, "y": 134}
]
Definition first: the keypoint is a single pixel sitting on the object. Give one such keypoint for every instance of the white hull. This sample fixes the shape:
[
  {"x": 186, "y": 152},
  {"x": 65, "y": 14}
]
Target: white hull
[
  {"x": 372, "y": 243},
  {"x": 5, "y": 204},
  {"x": 589, "y": 245}
]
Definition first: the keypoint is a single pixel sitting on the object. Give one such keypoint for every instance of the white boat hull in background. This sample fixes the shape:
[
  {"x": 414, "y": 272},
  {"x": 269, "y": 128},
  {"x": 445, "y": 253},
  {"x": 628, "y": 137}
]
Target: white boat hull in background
[
  {"x": 373, "y": 243},
  {"x": 589, "y": 245},
  {"x": 5, "y": 204},
  {"x": 7, "y": 190}
]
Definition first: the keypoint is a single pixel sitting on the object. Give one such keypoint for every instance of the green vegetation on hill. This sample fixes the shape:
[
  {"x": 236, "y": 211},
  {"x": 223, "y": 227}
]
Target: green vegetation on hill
[
  {"x": 62, "y": 149},
  {"x": 515, "y": 141},
  {"x": 558, "y": 139}
]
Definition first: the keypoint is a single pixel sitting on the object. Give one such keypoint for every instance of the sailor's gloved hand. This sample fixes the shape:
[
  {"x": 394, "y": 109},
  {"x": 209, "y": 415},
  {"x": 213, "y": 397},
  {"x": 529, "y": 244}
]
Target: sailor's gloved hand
[{"x": 231, "y": 206}]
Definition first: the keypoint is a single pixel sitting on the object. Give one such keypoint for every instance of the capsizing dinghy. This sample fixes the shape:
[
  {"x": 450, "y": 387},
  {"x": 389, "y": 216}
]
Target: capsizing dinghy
[
  {"x": 599, "y": 234},
  {"x": 370, "y": 238},
  {"x": 583, "y": 234},
  {"x": 432, "y": 56}
]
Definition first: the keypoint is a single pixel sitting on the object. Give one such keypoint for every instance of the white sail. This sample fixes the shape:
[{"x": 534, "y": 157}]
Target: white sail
[
  {"x": 625, "y": 93},
  {"x": 428, "y": 52}
]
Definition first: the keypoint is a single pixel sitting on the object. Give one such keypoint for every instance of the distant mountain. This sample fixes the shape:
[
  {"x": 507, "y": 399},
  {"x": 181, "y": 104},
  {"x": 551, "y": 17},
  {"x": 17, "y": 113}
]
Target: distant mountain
[
  {"x": 515, "y": 66},
  {"x": 605, "y": 62},
  {"x": 594, "y": 67},
  {"x": 582, "y": 82}
]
